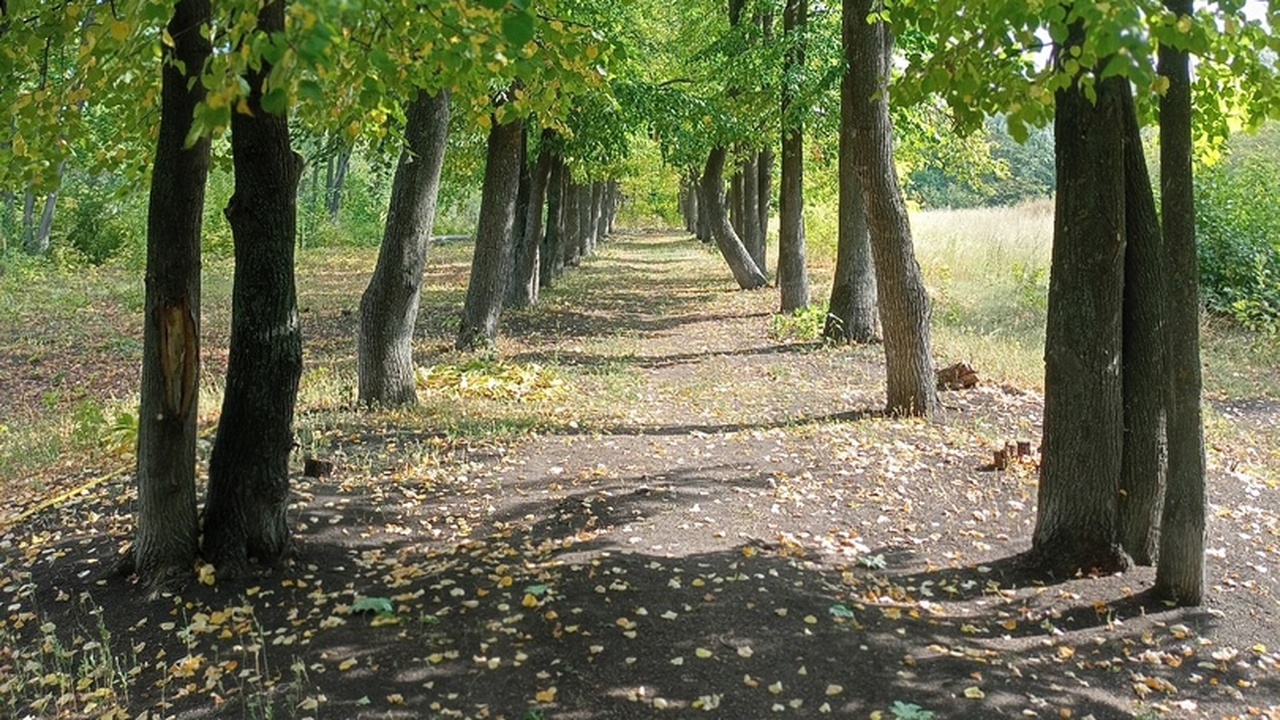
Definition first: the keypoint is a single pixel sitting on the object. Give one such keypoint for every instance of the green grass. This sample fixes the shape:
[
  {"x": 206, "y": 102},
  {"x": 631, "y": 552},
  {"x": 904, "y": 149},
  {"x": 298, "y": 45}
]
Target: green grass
[{"x": 986, "y": 269}]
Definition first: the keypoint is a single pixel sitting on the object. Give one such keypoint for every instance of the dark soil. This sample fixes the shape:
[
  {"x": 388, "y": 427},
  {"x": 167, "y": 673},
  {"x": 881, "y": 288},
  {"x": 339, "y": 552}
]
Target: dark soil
[{"x": 746, "y": 539}]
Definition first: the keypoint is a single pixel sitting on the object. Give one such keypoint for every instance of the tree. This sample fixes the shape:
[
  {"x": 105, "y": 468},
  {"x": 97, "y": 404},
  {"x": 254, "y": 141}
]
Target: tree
[
  {"x": 904, "y": 304},
  {"x": 745, "y": 271},
  {"x": 166, "y": 543},
  {"x": 1076, "y": 521},
  {"x": 389, "y": 306},
  {"x": 245, "y": 518},
  {"x": 526, "y": 281},
  {"x": 793, "y": 273},
  {"x": 1142, "y": 469},
  {"x": 1180, "y": 572},
  {"x": 490, "y": 267}
]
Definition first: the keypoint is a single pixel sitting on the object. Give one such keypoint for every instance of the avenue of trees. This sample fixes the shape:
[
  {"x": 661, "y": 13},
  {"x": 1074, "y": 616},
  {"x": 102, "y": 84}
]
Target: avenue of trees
[{"x": 555, "y": 91}]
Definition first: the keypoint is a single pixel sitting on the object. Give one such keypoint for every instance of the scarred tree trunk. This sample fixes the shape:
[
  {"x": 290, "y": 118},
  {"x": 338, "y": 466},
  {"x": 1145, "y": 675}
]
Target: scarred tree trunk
[
  {"x": 745, "y": 272},
  {"x": 1076, "y": 522},
  {"x": 1143, "y": 464},
  {"x": 552, "y": 243},
  {"x": 524, "y": 289},
  {"x": 1180, "y": 571},
  {"x": 245, "y": 518},
  {"x": 165, "y": 546},
  {"x": 389, "y": 306},
  {"x": 904, "y": 304},
  {"x": 793, "y": 275},
  {"x": 490, "y": 267}
]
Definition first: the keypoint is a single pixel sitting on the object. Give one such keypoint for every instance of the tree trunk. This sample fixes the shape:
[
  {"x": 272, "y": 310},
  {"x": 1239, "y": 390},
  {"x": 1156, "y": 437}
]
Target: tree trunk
[
  {"x": 595, "y": 214},
  {"x": 490, "y": 267},
  {"x": 165, "y": 546},
  {"x": 745, "y": 272},
  {"x": 1180, "y": 572},
  {"x": 602, "y": 222},
  {"x": 389, "y": 306},
  {"x": 765, "y": 195},
  {"x": 29, "y": 223},
  {"x": 519, "y": 220},
  {"x": 572, "y": 219},
  {"x": 793, "y": 275},
  {"x": 704, "y": 212},
  {"x": 615, "y": 206},
  {"x": 752, "y": 237},
  {"x": 904, "y": 305},
  {"x": 245, "y": 518},
  {"x": 1076, "y": 523},
  {"x": 852, "y": 314},
  {"x": 337, "y": 182},
  {"x": 524, "y": 289},
  {"x": 586, "y": 234},
  {"x": 552, "y": 242},
  {"x": 44, "y": 231},
  {"x": 693, "y": 208},
  {"x": 1142, "y": 468}
]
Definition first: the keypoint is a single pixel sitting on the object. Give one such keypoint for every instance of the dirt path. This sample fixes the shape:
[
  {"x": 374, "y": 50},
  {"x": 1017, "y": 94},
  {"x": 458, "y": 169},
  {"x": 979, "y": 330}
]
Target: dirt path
[{"x": 742, "y": 537}]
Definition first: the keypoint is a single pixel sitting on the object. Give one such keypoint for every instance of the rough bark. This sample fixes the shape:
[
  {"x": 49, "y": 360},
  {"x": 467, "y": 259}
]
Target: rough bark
[
  {"x": 1076, "y": 523},
  {"x": 752, "y": 235},
  {"x": 389, "y": 306},
  {"x": 1142, "y": 467},
  {"x": 904, "y": 304},
  {"x": 490, "y": 266},
  {"x": 520, "y": 219},
  {"x": 245, "y": 518},
  {"x": 524, "y": 289},
  {"x": 852, "y": 313},
  {"x": 745, "y": 272},
  {"x": 552, "y": 242},
  {"x": 1180, "y": 571},
  {"x": 793, "y": 275},
  {"x": 166, "y": 543},
  {"x": 734, "y": 199}
]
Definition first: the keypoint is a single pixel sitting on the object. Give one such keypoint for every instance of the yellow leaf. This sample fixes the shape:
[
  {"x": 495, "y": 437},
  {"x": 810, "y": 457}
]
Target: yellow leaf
[
  {"x": 395, "y": 699},
  {"x": 546, "y": 696},
  {"x": 703, "y": 653},
  {"x": 974, "y": 693},
  {"x": 347, "y": 664},
  {"x": 206, "y": 574},
  {"x": 119, "y": 29},
  {"x": 529, "y": 601}
]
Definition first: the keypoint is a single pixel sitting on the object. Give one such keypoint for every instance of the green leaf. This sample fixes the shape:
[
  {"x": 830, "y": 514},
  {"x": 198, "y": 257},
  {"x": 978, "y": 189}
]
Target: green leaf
[
  {"x": 518, "y": 29},
  {"x": 379, "y": 605},
  {"x": 839, "y": 610}
]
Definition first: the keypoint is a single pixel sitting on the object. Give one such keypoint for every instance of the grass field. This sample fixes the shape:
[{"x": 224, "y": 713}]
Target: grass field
[{"x": 71, "y": 336}]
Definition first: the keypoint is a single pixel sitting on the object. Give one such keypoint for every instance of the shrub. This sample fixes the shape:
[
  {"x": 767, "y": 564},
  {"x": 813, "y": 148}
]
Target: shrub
[{"x": 1238, "y": 228}]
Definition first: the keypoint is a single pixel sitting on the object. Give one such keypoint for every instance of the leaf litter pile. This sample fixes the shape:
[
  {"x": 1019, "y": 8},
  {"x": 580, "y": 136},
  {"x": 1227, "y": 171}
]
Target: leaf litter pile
[{"x": 741, "y": 538}]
